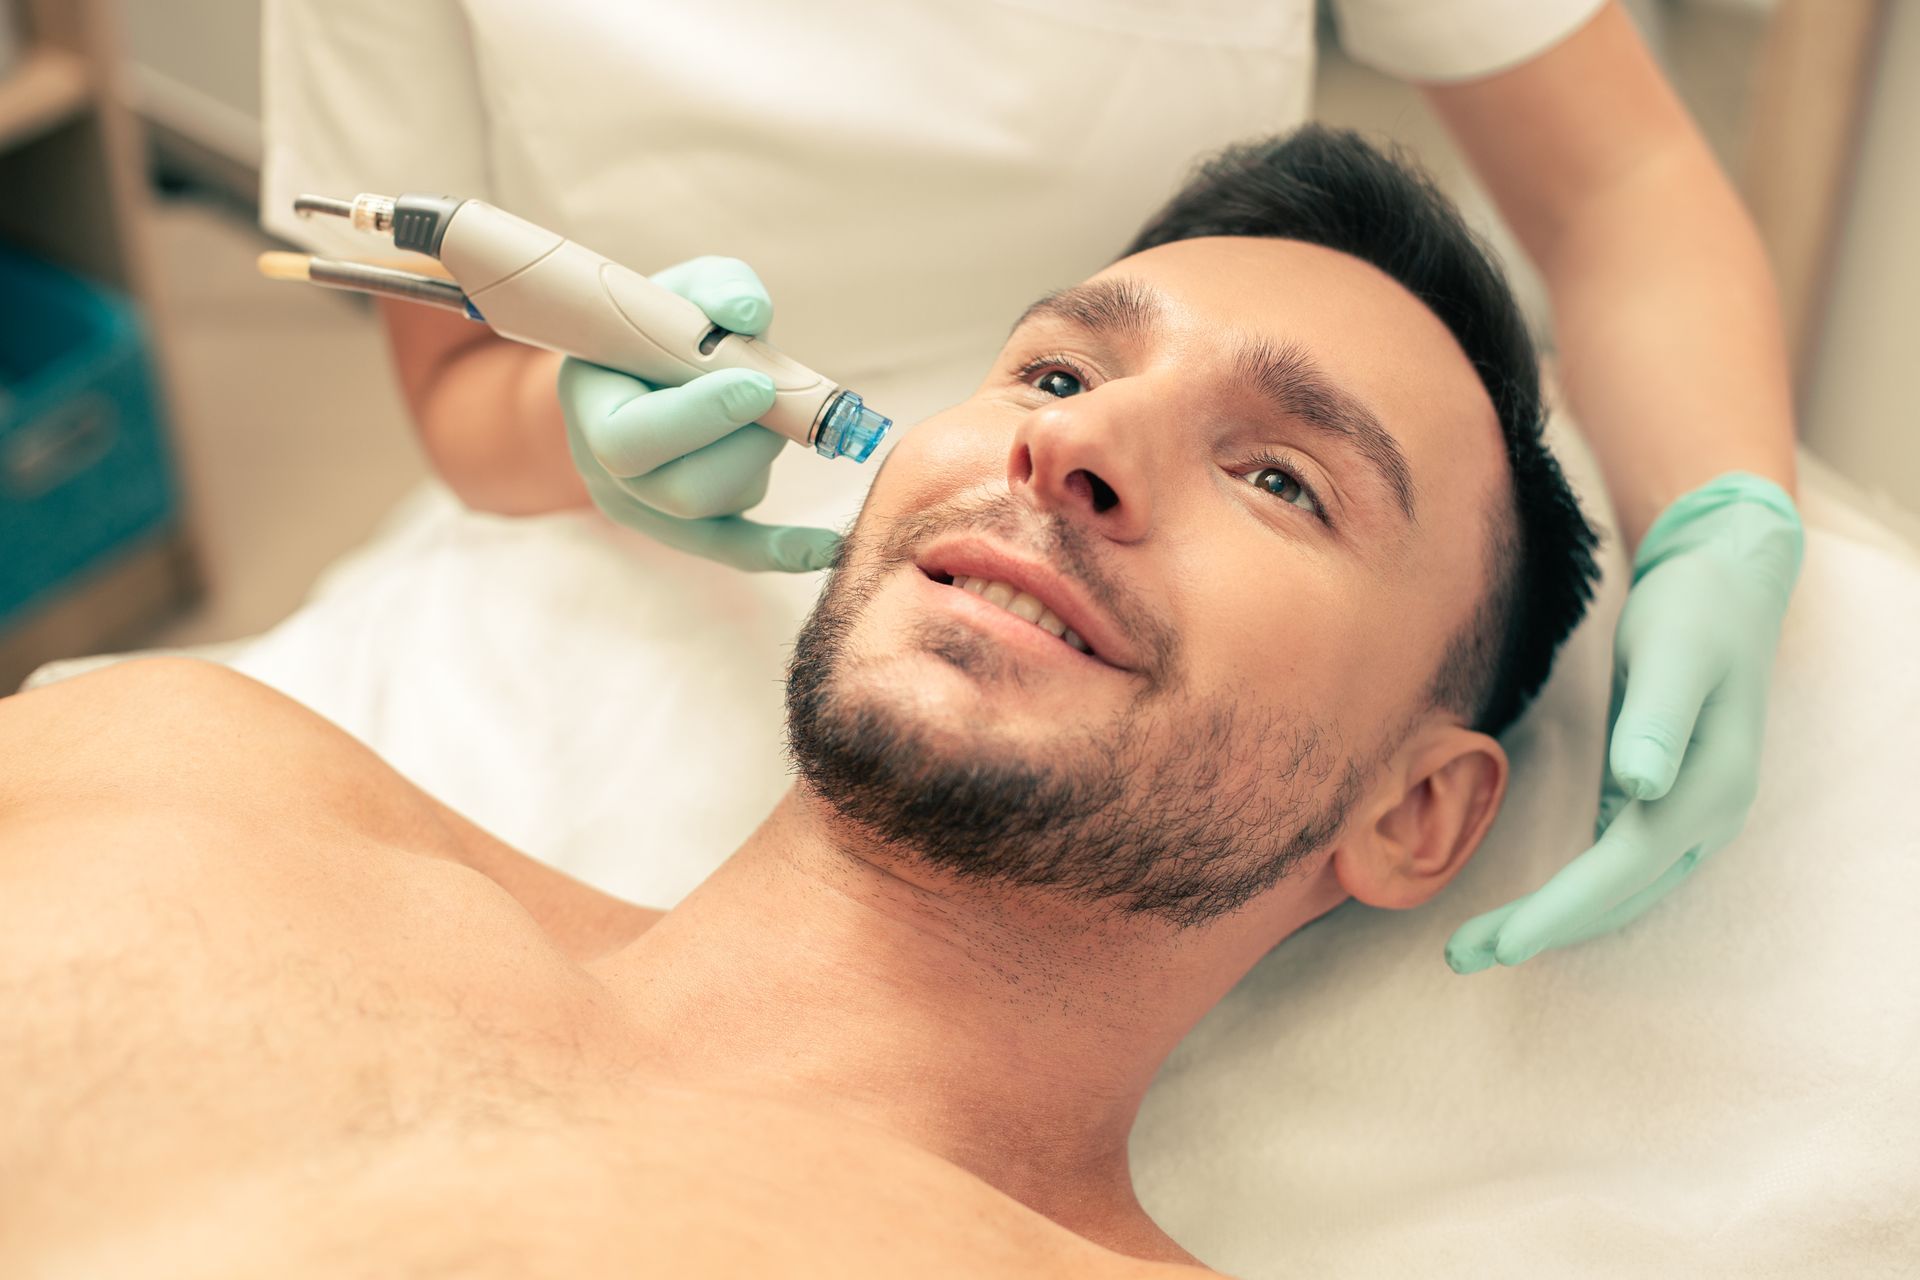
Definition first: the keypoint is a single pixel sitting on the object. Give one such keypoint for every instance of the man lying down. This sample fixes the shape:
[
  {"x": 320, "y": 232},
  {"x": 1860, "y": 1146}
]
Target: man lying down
[{"x": 1198, "y": 618}]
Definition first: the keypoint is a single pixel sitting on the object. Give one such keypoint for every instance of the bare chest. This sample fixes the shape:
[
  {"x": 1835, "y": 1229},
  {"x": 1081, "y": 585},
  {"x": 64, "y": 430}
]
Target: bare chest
[{"x": 268, "y": 1062}]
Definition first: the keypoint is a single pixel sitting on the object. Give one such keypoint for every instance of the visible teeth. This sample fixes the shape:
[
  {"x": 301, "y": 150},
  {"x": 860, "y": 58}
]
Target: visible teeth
[
  {"x": 1025, "y": 606},
  {"x": 1021, "y": 604}
]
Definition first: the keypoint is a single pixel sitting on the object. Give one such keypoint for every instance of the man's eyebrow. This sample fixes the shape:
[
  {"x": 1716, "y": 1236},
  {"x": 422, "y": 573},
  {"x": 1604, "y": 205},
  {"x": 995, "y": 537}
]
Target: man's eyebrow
[
  {"x": 1119, "y": 307},
  {"x": 1286, "y": 375},
  {"x": 1296, "y": 384}
]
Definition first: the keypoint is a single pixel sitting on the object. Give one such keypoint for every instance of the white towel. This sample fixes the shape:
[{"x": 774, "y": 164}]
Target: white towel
[{"x": 1728, "y": 1087}]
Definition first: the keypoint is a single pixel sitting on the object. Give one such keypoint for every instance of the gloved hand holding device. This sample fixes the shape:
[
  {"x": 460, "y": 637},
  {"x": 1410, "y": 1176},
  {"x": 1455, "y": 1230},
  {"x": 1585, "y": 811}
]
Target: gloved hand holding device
[
  {"x": 659, "y": 397},
  {"x": 681, "y": 463},
  {"x": 1693, "y": 655}
]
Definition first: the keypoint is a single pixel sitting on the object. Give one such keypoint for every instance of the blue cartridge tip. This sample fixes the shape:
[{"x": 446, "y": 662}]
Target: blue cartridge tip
[{"x": 850, "y": 430}]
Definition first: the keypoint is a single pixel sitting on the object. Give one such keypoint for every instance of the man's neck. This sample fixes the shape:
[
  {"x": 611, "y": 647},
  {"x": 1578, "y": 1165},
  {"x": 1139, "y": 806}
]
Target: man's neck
[{"x": 1002, "y": 1030}]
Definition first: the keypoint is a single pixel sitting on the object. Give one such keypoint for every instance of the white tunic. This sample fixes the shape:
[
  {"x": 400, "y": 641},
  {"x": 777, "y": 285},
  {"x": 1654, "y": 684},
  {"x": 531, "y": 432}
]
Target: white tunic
[{"x": 904, "y": 175}]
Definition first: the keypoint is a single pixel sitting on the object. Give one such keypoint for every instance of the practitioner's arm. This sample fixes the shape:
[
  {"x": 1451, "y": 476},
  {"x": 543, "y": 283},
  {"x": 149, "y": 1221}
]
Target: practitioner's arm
[
  {"x": 1665, "y": 312},
  {"x": 1674, "y": 363},
  {"x": 485, "y": 411}
]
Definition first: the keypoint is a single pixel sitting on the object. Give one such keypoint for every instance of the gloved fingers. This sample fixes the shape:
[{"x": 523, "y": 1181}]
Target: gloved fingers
[
  {"x": 1723, "y": 766},
  {"x": 1612, "y": 801},
  {"x": 752, "y": 547},
  {"x": 748, "y": 545},
  {"x": 740, "y": 544},
  {"x": 727, "y": 289},
  {"x": 723, "y": 478},
  {"x": 1649, "y": 846},
  {"x": 633, "y": 429},
  {"x": 1618, "y": 917},
  {"x": 1470, "y": 949},
  {"x": 1612, "y": 796},
  {"x": 1666, "y": 683},
  {"x": 729, "y": 540},
  {"x": 1497, "y": 936},
  {"x": 1627, "y": 858}
]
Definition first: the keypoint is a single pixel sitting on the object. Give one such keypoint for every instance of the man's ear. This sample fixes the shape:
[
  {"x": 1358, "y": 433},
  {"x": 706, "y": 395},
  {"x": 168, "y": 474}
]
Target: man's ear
[{"x": 1432, "y": 805}]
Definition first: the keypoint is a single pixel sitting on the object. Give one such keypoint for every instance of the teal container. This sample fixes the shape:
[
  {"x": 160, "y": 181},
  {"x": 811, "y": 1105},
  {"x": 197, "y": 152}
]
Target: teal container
[{"x": 85, "y": 474}]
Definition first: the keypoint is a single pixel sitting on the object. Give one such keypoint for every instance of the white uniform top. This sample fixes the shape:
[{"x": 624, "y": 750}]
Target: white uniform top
[{"x": 906, "y": 176}]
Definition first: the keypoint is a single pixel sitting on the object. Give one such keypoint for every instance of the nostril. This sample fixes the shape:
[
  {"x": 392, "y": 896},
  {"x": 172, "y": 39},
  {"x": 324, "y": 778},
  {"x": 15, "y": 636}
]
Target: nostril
[
  {"x": 1102, "y": 494},
  {"x": 1020, "y": 465}
]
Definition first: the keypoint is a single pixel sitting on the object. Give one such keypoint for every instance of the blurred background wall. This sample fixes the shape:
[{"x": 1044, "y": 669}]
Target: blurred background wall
[
  {"x": 196, "y": 72},
  {"x": 1861, "y": 412}
]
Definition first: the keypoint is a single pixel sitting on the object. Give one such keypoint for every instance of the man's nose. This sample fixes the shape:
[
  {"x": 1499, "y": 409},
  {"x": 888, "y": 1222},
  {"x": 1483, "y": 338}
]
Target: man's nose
[{"x": 1085, "y": 457}]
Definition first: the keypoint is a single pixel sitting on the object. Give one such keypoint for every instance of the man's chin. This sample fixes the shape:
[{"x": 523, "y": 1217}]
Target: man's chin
[
  {"x": 949, "y": 685},
  {"x": 929, "y": 771},
  {"x": 951, "y": 712}
]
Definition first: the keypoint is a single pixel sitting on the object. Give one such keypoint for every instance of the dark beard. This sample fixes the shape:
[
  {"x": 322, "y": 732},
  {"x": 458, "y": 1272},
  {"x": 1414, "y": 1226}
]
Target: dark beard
[{"x": 1186, "y": 834}]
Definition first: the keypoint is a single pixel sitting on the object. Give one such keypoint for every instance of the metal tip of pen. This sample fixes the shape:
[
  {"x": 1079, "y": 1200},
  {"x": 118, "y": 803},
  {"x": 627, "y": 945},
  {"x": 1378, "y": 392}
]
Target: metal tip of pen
[
  {"x": 307, "y": 205},
  {"x": 368, "y": 277}
]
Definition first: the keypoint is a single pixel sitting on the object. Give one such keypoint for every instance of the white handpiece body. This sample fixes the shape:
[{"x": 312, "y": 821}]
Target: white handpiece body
[{"x": 535, "y": 286}]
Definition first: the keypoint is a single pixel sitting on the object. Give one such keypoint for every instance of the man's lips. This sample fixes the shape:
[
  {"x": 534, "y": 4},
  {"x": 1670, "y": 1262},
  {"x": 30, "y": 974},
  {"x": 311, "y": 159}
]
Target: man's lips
[
  {"x": 974, "y": 556},
  {"x": 1009, "y": 629}
]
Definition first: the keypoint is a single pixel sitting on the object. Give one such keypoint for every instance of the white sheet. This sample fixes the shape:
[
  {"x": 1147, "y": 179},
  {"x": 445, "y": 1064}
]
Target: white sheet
[{"x": 1729, "y": 1087}]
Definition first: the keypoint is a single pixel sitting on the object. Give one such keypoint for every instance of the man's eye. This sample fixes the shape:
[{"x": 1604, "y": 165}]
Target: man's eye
[
  {"x": 1058, "y": 382},
  {"x": 1054, "y": 374},
  {"x": 1287, "y": 487}
]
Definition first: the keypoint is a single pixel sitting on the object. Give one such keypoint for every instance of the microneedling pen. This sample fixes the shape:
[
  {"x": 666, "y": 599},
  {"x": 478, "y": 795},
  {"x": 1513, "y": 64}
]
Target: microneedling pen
[{"x": 538, "y": 287}]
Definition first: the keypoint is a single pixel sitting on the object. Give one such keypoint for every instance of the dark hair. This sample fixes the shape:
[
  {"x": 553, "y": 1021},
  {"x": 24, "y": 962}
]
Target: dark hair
[{"x": 1331, "y": 188}]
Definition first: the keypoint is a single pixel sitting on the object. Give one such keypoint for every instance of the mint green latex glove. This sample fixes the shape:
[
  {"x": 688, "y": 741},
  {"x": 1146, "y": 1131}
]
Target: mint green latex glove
[
  {"x": 681, "y": 463},
  {"x": 1693, "y": 654}
]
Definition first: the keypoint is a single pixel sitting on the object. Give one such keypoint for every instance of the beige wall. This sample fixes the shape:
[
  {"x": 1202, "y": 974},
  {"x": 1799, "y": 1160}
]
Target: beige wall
[
  {"x": 196, "y": 69},
  {"x": 1862, "y": 413}
]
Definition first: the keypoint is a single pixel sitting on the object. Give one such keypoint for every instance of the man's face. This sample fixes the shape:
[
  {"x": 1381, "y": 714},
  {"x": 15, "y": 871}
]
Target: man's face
[{"x": 1254, "y": 477}]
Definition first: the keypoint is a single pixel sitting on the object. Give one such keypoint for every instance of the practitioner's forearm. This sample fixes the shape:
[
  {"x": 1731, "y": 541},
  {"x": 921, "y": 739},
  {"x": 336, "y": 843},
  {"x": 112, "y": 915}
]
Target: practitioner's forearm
[
  {"x": 486, "y": 412},
  {"x": 1671, "y": 350}
]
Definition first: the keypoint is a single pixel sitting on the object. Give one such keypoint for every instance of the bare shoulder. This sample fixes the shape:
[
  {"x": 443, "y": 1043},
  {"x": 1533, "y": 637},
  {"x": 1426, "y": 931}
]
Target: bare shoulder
[
  {"x": 173, "y": 742},
  {"x": 162, "y": 729}
]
